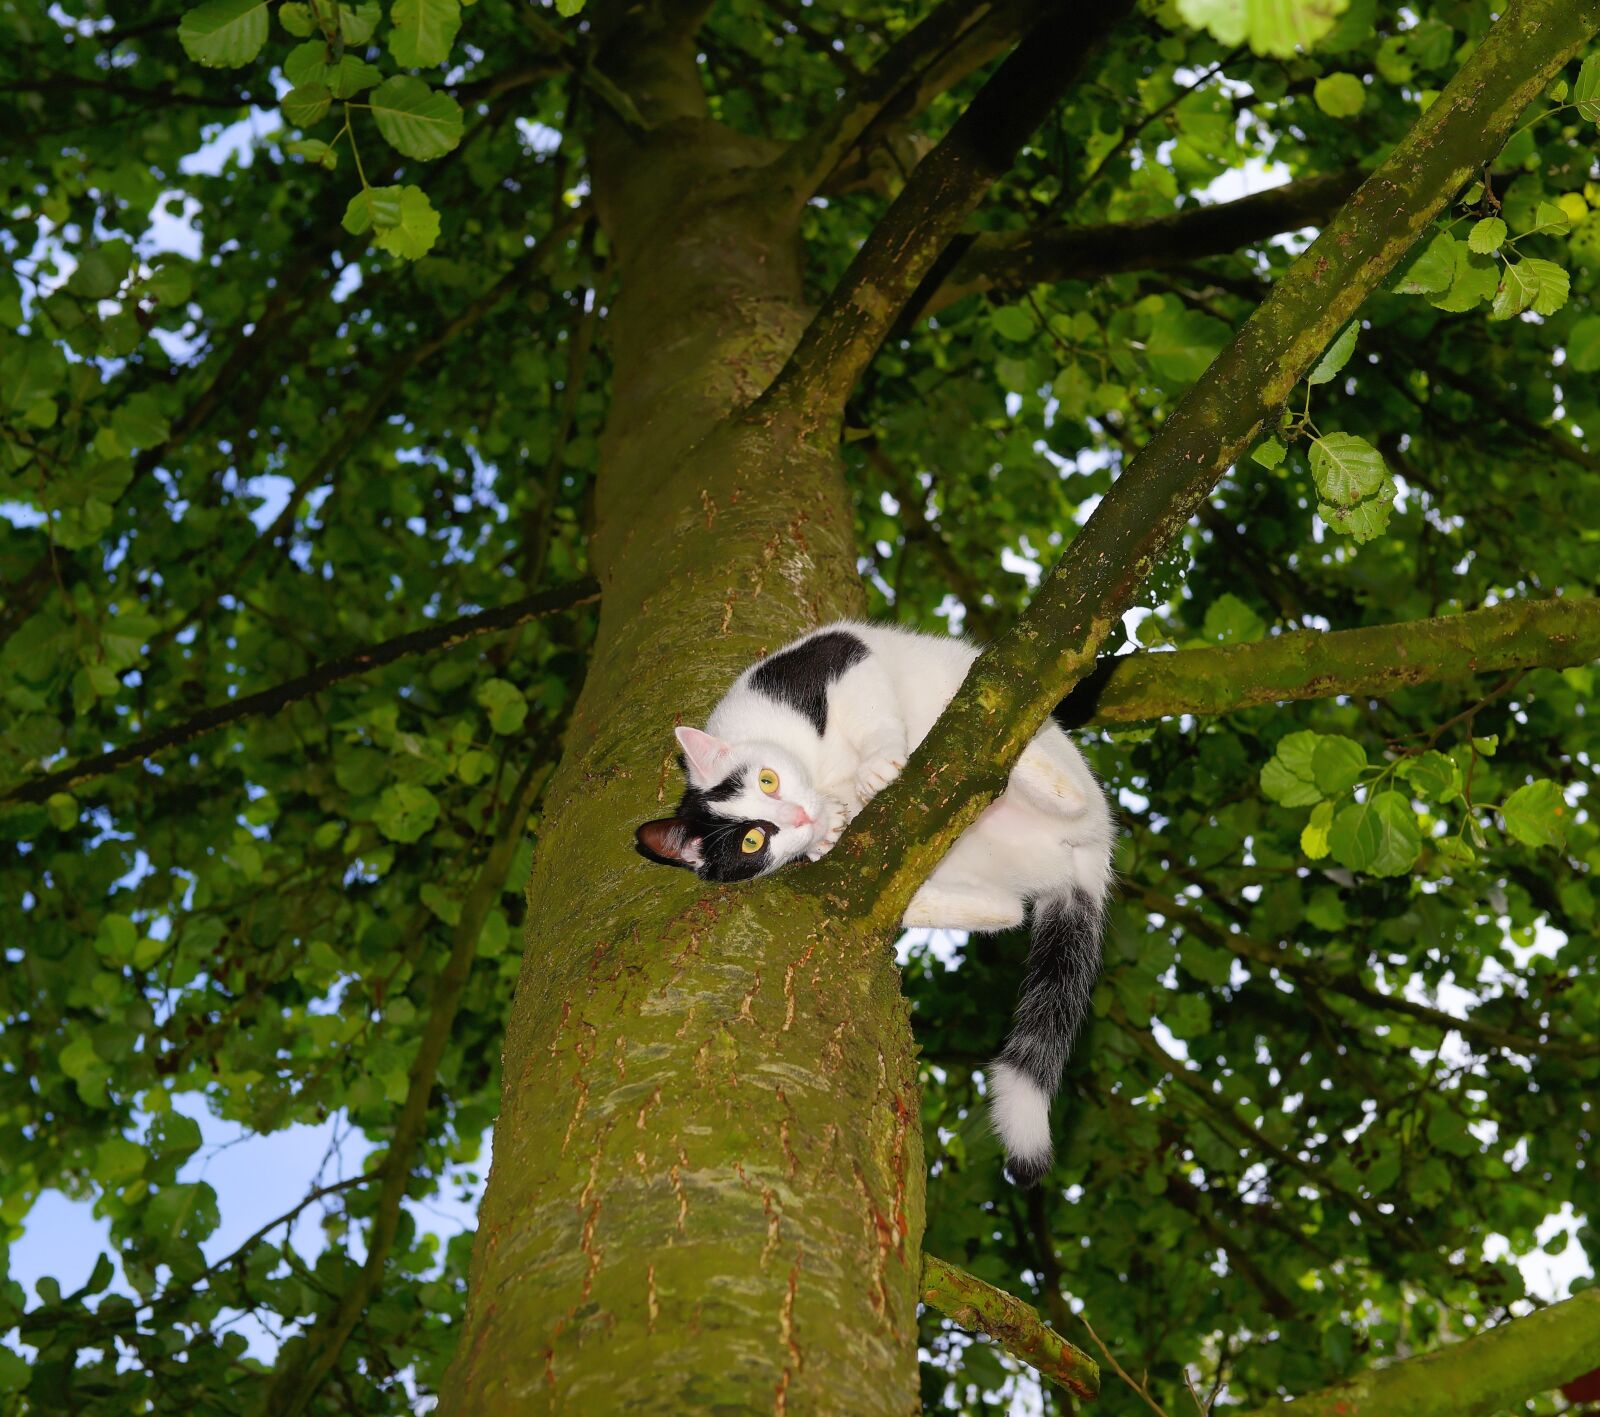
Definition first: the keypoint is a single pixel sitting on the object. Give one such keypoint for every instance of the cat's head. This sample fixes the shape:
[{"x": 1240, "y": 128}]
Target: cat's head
[{"x": 749, "y": 809}]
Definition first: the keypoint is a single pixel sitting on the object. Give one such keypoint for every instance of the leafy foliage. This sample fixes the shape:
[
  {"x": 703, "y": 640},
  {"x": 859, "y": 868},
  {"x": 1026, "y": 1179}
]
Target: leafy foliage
[{"x": 269, "y": 395}]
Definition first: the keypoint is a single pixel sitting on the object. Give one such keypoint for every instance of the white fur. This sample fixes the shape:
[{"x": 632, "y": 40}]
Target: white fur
[
  {"x": 1019, "y": 1112},
  {"x": 1050, "y": 831}
]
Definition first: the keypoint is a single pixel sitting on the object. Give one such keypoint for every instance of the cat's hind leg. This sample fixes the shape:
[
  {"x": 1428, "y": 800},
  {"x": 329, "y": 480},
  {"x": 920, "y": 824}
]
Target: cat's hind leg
[
  {"x": 1052, "y": 776},
  {"x": 967, "y": 908}
]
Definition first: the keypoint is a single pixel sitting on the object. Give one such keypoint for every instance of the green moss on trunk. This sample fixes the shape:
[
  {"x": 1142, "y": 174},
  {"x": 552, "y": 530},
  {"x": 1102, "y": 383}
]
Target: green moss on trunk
[{"x": 708, "y": 1179}]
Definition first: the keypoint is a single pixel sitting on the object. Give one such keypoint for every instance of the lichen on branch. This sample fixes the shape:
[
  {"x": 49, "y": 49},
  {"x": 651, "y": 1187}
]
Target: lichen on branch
[{"x": 1014, "y": 1325}]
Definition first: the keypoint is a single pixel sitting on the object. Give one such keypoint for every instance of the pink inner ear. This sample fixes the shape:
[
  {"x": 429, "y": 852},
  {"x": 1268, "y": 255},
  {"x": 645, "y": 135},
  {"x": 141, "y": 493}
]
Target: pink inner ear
[
  {"x": 669, "y": 839},
  {"x": 706, "y": 755}
]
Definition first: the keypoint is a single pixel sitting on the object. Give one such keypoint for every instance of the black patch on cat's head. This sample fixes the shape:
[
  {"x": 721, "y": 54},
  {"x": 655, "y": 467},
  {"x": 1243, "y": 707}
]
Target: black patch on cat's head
[
  {"x": 695, "y": 831},
  {"x": 800, "y": 677}
]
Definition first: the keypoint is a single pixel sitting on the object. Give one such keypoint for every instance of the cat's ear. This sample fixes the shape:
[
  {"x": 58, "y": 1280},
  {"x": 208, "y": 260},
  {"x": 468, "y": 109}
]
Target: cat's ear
[
  {"x": 669, "y": 841},
  {"x": 707, "y": 756}
]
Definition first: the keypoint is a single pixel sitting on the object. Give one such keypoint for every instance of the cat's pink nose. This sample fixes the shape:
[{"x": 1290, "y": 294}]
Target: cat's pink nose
[{"x": 799, "y": 817}]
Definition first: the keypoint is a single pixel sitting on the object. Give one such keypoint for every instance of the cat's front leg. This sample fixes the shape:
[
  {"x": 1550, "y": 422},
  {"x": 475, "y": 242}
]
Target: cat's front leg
[
  {"x": 882, "y": 759},
  {"x": 838, "y": 817}
]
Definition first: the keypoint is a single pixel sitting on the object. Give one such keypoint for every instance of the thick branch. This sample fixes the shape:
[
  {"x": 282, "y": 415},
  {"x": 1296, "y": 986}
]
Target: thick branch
[
  {"x": 954, "y": 39},
  {"x": 1313, "y": 664},
  {"x": 555, "y": 40},
  {"x": 1014, "y": 260},
  {"x": 1490, "y": 1373},
  {"x": 963, "y": 763},
  {"x": 1015, "y": 1326},
  {"x": 293, "y": 1387},
  {"x": 314, "y": 681},
  {"x": 937, "y": 199}
]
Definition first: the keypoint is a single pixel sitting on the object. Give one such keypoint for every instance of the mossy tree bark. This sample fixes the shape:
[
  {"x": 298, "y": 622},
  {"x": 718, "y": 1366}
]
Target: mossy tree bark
[
  {"x": 706, "y": 1192},
  {"x": 707, "y": 1187}
]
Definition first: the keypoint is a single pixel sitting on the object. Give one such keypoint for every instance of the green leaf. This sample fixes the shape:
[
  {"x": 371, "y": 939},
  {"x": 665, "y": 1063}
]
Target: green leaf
[
  {"x": 372, "y": 207},
  {"x": 1346, "y": 468},
  {"x": 1013, "y": 322},
  {"x": 307, "y": 104},
  {"x": 15, "y": 1371},
  {"x": 1432, "y": 269},
  {"x": 170, "y": 283},
  {"x": 1586, "y": 92},
  {"x": 406, "y": 812},
  {"x": 357, "y": 22},
  {"x": 63, "y": 810},
  {"x": 423, "y": 31},
  {"x": 1269, "y": 453},
  {"x": 1486, "y": 236},
  {"x": 1517, "y": 291},
  {"x": 1378, "y": 837},
  {"x": 311, "y": 63},
  {"x": 1340, "y": 95},
  {"x": 504, "y": 703},
  {"x": 569, "y": 8},
  {"x": 1337, "y": 765},
  {"x": 139, "y": 423},
  {"x": 1314, "y": 835},
  {"x": 438, "y": 900},
  {"x": 1475, "y": 278},
  {"x": 1230, "y": 621},
  {"x": 314, "y": 150},
  {"x": 224, "y": 34},
  {"x": 414, "y": 119},
  {"x": 1365, "y": 520},
  {"x": 1183, "y": 342},
  {"x": 1583, "y": 345},
  {"x": 181, "y": 1214},
  {"x": 117, "y": 1161},
  {"x": 1433, "y": 775},
  {"x": 1337, "y": 355},
  {"x": 418, "y": 228},
  {"x": 296, "y": 19},
  {"x": 1537, "y": 814},
  {"x": 101, "y": 270},
  {"x": 1550, "y": 220},
  {"x": 1288, "y": 777},
  {"x": 116, "y": 938},
  {"x": 1552, "y": 284},
  {"x": 1275, "y": 27}
]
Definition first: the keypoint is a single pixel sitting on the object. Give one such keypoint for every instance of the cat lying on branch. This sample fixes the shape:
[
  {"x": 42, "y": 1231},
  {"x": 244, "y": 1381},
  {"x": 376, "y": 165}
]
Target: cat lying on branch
[{"x": 804, "y": 739}]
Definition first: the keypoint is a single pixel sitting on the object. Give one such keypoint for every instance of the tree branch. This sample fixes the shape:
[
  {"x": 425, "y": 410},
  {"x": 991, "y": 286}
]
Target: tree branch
[
  {"x": 557, "y": 41},
  {"x": 1478, "y": 1376},
  {"x": 1315, "y": 664},
  {"x": 1352, "y": 986},
  {"x": 294, "y": 1386},
  {"x": 937, "y": 199},
  {"x": 964, "y": 762},
  {"x": 957, "y": 37},
  {"x": 314, "y": 681},
  {"x": 1014, "y": 1325},
  {"x": 1013, "y": 260}
]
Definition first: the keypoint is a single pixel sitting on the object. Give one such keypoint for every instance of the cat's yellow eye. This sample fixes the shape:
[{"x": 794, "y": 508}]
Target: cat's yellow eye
[
  {"x": 769, "y": 781},
  {"x": 754, "y": 840}
]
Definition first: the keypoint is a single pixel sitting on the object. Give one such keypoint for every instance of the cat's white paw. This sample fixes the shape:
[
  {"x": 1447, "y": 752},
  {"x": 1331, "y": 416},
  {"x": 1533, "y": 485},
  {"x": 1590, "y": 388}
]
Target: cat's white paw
[
  {"x": 839, "y": 816},
  {"x": 876, "y": 774}
]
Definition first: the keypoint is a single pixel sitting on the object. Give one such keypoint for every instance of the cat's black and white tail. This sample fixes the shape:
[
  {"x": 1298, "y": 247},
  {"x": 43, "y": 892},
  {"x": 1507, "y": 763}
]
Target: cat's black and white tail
[{"x": 1063, "y": 963}]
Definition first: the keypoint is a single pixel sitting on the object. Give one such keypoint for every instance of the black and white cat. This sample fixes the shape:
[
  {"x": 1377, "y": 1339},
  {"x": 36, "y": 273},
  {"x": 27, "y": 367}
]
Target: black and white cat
[{"x": 804, "y": 739}]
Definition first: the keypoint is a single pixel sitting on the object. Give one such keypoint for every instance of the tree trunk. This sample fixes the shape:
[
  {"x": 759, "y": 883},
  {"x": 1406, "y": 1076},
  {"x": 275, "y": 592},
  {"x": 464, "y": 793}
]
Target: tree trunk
[{"x": 707, "y": 1185}]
